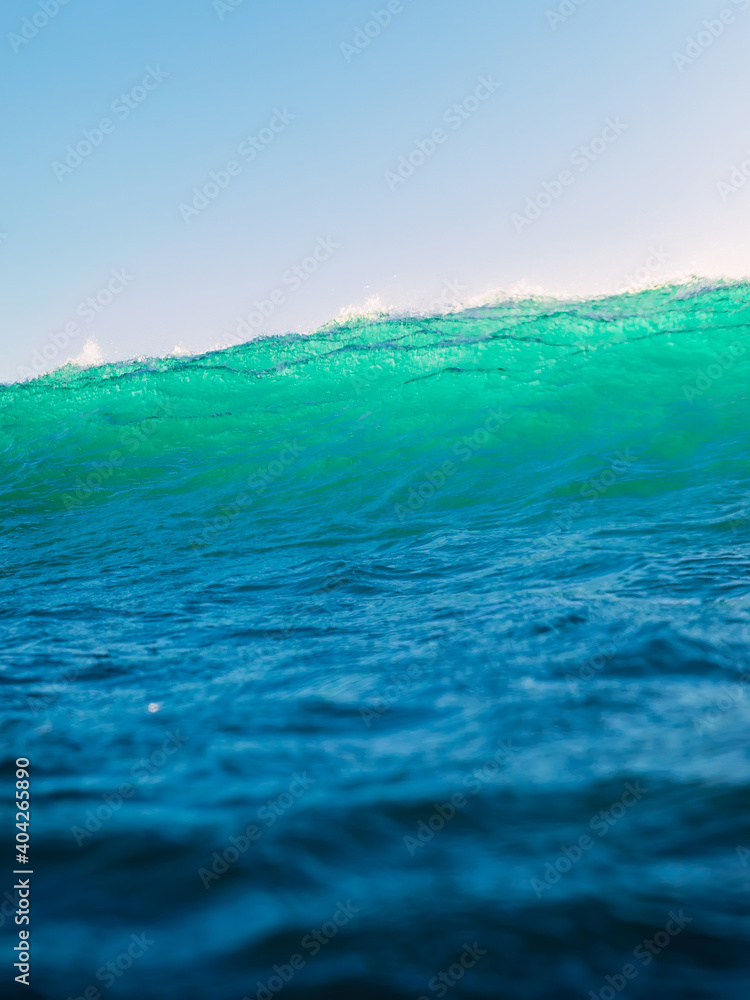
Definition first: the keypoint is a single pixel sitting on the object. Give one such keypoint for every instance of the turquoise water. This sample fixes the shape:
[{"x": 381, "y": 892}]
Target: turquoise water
[{"x": 410, "y": 645}]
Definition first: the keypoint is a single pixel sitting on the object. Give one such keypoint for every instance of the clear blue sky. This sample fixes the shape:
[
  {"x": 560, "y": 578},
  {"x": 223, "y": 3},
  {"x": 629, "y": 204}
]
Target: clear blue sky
[{"x": 188, "y": 88}]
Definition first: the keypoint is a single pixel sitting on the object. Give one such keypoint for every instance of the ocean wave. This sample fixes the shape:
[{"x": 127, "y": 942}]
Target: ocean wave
[{"x": 435, "y": 626}]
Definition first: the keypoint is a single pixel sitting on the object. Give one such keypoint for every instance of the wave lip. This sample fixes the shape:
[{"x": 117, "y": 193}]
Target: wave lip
[{"x": 523, "y": 300}]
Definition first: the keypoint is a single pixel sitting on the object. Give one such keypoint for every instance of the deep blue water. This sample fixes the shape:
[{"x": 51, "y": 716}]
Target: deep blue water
[{"x": 411, "y": 643}]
